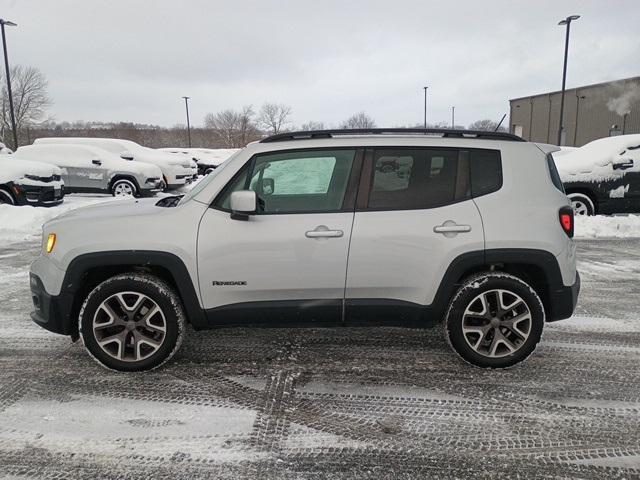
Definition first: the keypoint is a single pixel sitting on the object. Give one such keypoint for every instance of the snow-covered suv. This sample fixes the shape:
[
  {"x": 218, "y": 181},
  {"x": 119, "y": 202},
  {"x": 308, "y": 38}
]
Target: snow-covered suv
[{"x": 306, "y": 229}]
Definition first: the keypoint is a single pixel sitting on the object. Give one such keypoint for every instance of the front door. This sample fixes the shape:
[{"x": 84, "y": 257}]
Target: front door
[{"x": 287, "y": 263}]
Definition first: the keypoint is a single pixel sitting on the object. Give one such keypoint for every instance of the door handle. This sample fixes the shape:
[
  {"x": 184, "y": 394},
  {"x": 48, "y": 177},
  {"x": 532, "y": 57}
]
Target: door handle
[
  {"x": 451, "y": 227},
  {"x": 322, "y": 231}
]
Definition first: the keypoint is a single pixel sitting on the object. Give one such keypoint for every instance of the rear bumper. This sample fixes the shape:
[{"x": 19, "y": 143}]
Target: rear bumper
[{"x": 563, "y": 301}]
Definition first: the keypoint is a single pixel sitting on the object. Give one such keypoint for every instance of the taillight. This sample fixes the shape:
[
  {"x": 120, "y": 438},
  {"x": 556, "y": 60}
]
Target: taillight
[{"x": 566, "y": 220}]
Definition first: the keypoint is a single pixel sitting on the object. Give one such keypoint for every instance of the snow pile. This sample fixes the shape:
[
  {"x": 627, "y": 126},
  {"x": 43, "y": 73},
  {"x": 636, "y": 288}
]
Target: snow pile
[
  {"x": 600, "y": 226},
  {"x": 18, "y": 224},
  {"x": 594, "y": 162}
]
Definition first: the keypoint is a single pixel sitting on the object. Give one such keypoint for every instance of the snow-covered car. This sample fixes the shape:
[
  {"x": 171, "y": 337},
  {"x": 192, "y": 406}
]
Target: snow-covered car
[
  {"x": 88, "y": 169},
  {"x": 176, "y": 172},
  {"x": 4, "y": 150},
  {"x": 24, "y": 182},
  {"x": 207, "y": 159},
  {"x": 603, "y": 176}
]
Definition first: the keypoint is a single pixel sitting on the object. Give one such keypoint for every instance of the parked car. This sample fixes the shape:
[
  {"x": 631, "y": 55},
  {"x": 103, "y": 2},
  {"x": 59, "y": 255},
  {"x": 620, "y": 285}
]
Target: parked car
[
  {"x": 208, "y": 159},
  {"x": 603, "y": 176},
  {"x": 23, "y": 182},
  {"x": 88, "y": 169},
  {"x": 264, "y": 240},
  {"x": 175, "y": 172}
]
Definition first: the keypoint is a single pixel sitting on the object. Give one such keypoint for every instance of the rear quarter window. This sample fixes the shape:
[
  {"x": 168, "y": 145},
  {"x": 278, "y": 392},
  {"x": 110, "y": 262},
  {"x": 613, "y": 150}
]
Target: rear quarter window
[
  {"x": 553, "y": 171},
  {"x": 486, "y": 171}
]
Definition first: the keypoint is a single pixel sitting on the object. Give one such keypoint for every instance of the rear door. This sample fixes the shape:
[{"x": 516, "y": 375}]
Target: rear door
[
  {"x": 287, "y": 263},
  {"x": 414, "y": 216}
]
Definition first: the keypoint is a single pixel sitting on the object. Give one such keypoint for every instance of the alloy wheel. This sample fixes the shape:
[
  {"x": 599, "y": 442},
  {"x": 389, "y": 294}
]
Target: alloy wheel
[
  {"x": 129, "y": 326},
  {"x": 496, "y": 323},
  {"x": 579, "y": 207},
  {"x": 123, "y": 189}
]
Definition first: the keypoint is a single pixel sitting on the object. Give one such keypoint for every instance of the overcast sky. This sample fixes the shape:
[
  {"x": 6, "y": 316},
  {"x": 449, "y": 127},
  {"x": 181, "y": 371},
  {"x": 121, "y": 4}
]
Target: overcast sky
[{"x": 132, "y": 60}]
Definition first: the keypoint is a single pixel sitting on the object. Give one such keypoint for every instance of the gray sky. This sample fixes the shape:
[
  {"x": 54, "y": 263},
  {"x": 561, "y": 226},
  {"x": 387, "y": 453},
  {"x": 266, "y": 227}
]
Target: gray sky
[{"x": 132, "y": 60}]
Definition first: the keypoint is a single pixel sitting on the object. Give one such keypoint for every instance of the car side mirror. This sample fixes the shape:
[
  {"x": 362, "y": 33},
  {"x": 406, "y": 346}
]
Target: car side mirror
[
  {"x": 623, "y": 164},
  {"x": 96, "y": 162},
  {"x": 243, "y": 203},
  {"x": 126, "y": 156}
]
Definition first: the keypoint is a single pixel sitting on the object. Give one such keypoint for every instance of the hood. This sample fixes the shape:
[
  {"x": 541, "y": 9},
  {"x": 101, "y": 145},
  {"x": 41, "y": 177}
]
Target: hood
[
  {"x": 123, "y": 209},
  {"x": 13, "y": 168}
]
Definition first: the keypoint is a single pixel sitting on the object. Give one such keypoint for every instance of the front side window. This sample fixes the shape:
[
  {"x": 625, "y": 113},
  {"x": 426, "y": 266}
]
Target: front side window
[
  {"x": 295, "y": 182},
  {"x": 417, "y": 178}
]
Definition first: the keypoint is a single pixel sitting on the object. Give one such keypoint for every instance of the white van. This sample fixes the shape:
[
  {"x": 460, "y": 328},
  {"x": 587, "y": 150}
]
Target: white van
[
  {"x": 88, "y": 169},
  {"x": 176, "y": 172}
]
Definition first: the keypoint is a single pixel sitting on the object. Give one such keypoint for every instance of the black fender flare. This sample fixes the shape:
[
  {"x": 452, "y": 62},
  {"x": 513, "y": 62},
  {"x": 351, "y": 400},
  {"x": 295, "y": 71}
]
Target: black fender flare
[{"x": 76, "y": 275}]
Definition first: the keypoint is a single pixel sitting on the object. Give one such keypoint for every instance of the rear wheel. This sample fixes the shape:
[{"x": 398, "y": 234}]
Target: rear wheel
[
  {"x": 495, "y": 320},
  {"x": 582, "y": 204},
  {"x": 5, "y": 197},
  {"x": 132, "y": 322},
  {"x": 124, "y": 188}
]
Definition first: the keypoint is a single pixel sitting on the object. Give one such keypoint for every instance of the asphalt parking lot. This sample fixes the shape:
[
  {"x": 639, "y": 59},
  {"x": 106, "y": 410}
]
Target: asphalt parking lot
[{"x": 331, "y": 403}]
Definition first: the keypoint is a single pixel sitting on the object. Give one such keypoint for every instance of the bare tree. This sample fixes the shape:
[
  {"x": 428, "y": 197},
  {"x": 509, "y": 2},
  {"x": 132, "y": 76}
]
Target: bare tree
[
  {"x": 311, "y": 125},
  {"x": 359, "y": 120},
  {"x": 30, "y": 98},
  {"x": 486, "y": 125},
  {"x": 231, "y": 128},
  {"x": 274, "y": 117}
]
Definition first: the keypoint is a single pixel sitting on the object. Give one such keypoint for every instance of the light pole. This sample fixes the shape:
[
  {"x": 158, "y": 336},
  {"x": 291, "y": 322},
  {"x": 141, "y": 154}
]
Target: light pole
[
  {"x": 567, "y": 21},
  {"x": 186, "y": 106},
  {"x": 425, "y": 106},
  {"x": 6, "y": 67},
  {"x": 453, "y": 117}
]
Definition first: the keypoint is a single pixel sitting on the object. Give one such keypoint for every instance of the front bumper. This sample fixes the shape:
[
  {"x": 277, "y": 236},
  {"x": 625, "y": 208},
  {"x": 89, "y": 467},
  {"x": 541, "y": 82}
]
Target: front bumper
[
  {"x": 157, "y": 187},
  {"x": 51, "y": 312},
  {"x": 37, "y": 195},
  {"x": 563, "y": 301}
]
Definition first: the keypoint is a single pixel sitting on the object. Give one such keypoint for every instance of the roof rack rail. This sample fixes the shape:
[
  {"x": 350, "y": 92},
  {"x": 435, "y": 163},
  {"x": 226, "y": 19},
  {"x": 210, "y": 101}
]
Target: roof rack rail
[{"x": 444, "y": 132}]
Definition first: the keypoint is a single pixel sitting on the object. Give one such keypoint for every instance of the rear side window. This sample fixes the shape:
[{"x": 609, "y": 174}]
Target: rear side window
[
  {"x": 553, "y": 171},
  {"x": 486, "y": 171},
  {"x": 405, "y": 179}
]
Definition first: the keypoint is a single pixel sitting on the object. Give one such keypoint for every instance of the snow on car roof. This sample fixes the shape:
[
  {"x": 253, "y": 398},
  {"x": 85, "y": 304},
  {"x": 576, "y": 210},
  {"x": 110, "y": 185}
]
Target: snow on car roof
[{"x": 594, "y": 161}]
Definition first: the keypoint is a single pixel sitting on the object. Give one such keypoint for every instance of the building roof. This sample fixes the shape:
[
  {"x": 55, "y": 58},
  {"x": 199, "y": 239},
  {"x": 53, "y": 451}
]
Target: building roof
[{"x": 611, "y": 82}]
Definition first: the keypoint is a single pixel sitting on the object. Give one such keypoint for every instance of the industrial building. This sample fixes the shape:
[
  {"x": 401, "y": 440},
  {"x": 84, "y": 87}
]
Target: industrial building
[{"x": 590, "y": 112}]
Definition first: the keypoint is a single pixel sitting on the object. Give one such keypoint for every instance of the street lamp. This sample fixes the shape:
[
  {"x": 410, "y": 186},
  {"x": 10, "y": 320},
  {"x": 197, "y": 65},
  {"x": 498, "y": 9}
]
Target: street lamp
[
  {"x": 567, "y": 21},
  {"x": 6, "y": 66},
  {"x": 425, "y": 106},
  {"x": 186, "y": 106}
]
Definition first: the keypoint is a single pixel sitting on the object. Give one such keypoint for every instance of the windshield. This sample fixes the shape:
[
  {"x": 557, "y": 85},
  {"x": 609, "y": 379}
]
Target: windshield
[{"x": 202, "y": 184}]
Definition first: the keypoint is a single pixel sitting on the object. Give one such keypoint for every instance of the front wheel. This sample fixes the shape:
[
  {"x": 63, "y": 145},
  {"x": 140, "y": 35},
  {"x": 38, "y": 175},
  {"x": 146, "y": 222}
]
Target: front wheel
[
  {"x": 581, "y": 204},
  {"x": 124, "y": 188},
  {"x": 132, "y": 322},
  {"x": 495, "y": 320}
]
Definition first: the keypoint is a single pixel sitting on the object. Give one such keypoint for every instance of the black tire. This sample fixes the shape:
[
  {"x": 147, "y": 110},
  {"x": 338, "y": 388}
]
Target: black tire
[
  {"x": 170, "y": 317},
  {"x": 582, "y": 204},
  {"x": 5, "y": 197},
  {"x": 459, "y": 327},
  {"x": 124, "y": 184}
]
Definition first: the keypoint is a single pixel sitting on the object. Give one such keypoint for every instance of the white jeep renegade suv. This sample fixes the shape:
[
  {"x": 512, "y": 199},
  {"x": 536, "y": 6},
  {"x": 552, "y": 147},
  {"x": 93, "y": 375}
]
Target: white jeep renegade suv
[{"x": 327, "y": 228}]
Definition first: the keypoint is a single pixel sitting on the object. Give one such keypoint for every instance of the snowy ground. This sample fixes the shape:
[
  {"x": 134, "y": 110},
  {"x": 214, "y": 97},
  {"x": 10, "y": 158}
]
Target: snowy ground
[{"x": 329, "y": 403}]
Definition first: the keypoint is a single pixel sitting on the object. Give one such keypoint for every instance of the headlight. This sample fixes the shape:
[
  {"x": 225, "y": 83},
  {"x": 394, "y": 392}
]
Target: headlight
[{"x": 51, "y": 242}]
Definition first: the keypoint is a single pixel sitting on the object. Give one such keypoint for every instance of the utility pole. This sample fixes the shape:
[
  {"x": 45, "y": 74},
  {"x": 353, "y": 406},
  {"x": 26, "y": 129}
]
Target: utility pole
[
  {"x": 6, "y": 67},
  {"x": 425, "y": 106},
  {"x": 186, "y": 106},
  {"x": 453, "y": 117},
  {"x": 567, "y": 21}
]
